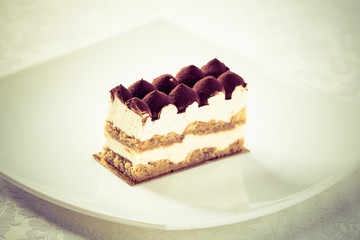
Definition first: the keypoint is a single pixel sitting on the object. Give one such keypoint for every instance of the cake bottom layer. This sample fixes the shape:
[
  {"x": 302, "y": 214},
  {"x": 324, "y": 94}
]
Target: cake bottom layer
[{"x": 133, "y": 174}]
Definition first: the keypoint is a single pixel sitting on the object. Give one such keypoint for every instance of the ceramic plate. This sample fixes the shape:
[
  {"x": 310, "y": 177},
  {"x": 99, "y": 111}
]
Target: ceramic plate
[{"x": 301, "y": 141}]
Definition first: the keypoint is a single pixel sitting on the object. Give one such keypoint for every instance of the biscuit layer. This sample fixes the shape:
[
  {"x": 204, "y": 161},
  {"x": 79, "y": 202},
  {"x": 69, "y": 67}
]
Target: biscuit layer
[
  {"x": 196, "y": 128},
  {"x": 141, "y": 172}
]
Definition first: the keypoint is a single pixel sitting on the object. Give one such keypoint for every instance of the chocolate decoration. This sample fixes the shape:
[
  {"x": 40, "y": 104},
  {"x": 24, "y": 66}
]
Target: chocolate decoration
[
  {"x": 214, "y": 68},
  {"x": 190, "y": 85},
  {"x": 121, "y": 93},
  {"x": 156, "y": 101},
  {"x": 206, "y": 88},
  {"x": 165, "y": 83},
  {"x": 182, "y": 96},
  {"x": 230, "y": 80},
  {"x": 138, "y": 106},
  {"x": 141, "y": 88},
  {"x": 189, "y": 75}
]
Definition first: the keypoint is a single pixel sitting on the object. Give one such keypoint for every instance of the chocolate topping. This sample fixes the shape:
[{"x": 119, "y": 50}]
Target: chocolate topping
[
  {"x": 156, "y": 101},
  {"x": 190, "y": 85},
  {"x": 138, "y": 106},
  {"x": 140, "y": 88},
  {"x": 230, "y": 80},
  {"x": 214, "y": 68},
  {"x": 182, "y": 96},
  {"x": 206, "y": 88},
  {"x": 165, "y": 83},
  {"x": 121, "y": 93},
  {"x": 189, "y": 75}
]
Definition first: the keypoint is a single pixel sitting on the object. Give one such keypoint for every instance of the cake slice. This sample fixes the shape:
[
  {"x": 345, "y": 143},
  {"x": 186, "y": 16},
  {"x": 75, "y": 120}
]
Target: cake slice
[{"x": 174, "y": 123}]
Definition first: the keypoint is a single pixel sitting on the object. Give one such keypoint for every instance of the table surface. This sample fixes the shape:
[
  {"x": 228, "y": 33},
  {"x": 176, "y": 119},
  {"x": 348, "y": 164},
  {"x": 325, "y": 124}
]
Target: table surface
[{"x": 316, "y": 43}]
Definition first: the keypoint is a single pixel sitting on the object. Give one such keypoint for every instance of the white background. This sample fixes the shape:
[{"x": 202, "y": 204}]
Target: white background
[{"x": 316, "y": 43}]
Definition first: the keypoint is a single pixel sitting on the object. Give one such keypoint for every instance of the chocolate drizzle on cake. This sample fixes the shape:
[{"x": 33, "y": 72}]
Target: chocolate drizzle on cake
[
  {"x": 156, "y": 101},
  {"x": 190, "y": 85},
  {"x": 214, "y": 68},
  {"x": 121, "y": 93},
  {"x": 141, "y": 88},
  {"x": 230, "y": 80},
  {"x": 165, "y": 83},
  {"x": 189, "y": 75},
  {"x": 182, "y": 96},
  {"x": 206, "y": 88},
  {"x": 138, "y": 106}
]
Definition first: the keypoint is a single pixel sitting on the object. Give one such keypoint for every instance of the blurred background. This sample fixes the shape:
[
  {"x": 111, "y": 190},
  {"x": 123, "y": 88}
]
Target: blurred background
[{"x": 314, "y": 41}]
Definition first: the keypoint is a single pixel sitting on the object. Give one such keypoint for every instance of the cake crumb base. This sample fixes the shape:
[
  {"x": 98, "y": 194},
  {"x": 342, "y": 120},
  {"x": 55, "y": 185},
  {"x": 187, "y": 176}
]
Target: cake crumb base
[
  {"x": 114, "y": 170},
  {"x": 99, "y": 158}
]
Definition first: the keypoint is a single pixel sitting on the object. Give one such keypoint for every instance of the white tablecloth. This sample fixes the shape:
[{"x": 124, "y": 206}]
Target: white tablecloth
[{"x": 315, "y": 42}]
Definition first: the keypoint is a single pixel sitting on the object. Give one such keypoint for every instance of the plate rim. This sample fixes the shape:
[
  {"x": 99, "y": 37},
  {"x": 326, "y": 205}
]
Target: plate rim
[{"x": 281, "y": 203}]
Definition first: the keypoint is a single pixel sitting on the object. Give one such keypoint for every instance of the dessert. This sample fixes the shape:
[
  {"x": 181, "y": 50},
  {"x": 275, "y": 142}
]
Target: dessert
[{"x": 174, "y": 123}]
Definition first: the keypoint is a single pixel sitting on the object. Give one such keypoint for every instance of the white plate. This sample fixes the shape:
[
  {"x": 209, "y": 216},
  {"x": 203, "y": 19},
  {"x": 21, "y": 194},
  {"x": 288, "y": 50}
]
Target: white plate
[{"x": 52, "y": 118}]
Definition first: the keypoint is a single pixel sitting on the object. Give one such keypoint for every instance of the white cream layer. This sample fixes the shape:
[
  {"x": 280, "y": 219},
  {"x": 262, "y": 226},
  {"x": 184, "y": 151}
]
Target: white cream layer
[
  {"x": 178, "y": 151},
  {"x": 170, "y": 121}
]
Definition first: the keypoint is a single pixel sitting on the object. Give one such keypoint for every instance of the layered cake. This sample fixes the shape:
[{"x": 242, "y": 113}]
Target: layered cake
[{"x": 174, "y": 123}]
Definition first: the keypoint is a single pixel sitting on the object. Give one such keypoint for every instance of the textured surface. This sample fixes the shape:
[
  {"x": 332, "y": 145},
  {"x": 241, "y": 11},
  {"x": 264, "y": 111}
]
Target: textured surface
[{"x": 315, "y": 42}]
